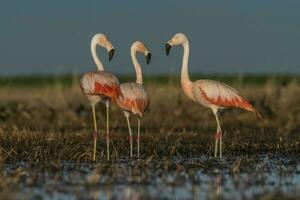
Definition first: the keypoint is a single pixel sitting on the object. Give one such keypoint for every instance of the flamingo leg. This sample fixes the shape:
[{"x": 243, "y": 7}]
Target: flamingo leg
[
  {"x": 216, "y": 145},
  {"x": 219, "y": 134},
  {"x": 138, "y": 137},
  {"x": 221, "y": 142},
  {"x": 95, "y": 132},
  {"x": 130, "y": 134},
  {"x": 107, "y": 129}
]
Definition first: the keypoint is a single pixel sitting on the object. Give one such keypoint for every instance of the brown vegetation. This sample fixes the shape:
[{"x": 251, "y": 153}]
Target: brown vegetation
[{"x": 49, "y": 125}]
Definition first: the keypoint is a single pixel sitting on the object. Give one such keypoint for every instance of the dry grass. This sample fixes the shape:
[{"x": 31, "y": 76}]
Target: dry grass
[{"x": 54, "y": 122}]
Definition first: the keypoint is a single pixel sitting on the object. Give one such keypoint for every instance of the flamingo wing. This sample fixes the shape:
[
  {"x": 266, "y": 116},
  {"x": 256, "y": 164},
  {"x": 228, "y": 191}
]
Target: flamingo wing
[
  {"x": 223, "y": 95},
  {"x": 135, "y": 98},
  {"x": 100, "y": 83}
]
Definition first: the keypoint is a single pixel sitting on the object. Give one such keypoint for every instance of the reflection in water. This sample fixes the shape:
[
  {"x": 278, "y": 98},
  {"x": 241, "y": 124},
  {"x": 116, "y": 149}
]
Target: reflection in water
[
  {"x": 218, "y": 183},
  {"x": 107, "y": 195},
  {"x": 197, "y": 178},
  {"x": 132, "y": 194}
]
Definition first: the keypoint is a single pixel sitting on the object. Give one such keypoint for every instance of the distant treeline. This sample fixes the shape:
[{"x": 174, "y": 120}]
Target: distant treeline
[{"x": 69, "y": 80}]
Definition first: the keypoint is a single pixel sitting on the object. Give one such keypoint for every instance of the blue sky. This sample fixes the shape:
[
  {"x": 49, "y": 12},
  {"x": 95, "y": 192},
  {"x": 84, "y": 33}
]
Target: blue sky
[{"x": 52, "y": 37}]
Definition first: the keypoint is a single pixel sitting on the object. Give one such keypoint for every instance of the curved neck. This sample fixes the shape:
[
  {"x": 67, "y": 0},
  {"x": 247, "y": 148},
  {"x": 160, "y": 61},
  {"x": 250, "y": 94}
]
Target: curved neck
[
  {"x": 185, "y": 61},
  {"x": 137, "y": 67},
  {"x": 95, "y": 57}
]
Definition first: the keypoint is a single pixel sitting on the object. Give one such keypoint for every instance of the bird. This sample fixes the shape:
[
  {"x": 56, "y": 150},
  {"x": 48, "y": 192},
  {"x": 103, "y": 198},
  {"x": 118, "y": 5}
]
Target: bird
[
  {"x": 134, "y": 99},
  {"x": 208, "y": 93},
  {"x": 100, "y": 86}
]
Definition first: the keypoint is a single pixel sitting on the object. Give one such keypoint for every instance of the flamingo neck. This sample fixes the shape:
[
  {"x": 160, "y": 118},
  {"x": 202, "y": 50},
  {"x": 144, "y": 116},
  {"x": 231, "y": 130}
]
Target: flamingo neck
[
  {"x": 137, "y": 66},
  {"x": 184, "y": 69},
  {"x": 95, "y": 56}
]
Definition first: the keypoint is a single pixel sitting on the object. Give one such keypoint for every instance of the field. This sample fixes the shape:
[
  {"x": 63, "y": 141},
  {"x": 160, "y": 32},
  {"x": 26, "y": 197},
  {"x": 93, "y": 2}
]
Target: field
[{"x": 46, "y": 143}]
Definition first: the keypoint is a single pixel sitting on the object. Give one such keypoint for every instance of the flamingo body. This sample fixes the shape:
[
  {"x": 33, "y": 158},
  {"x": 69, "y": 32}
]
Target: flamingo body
[
  {"x": 135, "y": 99},
  {"x": 209, "y": 93},
  {"x": 217, "y": 95},
  {"x": 100, "y": 86}
]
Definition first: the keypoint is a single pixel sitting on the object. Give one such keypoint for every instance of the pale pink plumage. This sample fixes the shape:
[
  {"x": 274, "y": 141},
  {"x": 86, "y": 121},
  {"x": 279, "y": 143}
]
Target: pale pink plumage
[
  {"x": 99, "y": 86},
  {"x": 134, "y": 100},
  {"x": 217, "y": 95},
  {"x": 212, "y": 94}
]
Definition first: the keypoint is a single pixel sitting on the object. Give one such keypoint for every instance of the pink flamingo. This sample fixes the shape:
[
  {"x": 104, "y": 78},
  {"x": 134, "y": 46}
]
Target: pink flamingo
[
  {"x": 100, "y": 86},
  {"x": 209, "y": 93},
  {"x": 135, "y": 99}
]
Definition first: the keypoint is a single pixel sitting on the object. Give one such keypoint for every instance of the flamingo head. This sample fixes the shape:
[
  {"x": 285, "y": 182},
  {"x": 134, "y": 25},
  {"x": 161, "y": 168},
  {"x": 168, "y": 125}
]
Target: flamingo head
[
  {"x": 140, "y": 47},
  {"x": 177, "y": 39},
  {"x": 103, "y": 41}
]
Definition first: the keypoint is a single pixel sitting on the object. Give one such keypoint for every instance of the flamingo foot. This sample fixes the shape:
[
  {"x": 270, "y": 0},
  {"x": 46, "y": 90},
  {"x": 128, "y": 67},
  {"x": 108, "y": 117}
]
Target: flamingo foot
[{"x": 218, "y": 135}]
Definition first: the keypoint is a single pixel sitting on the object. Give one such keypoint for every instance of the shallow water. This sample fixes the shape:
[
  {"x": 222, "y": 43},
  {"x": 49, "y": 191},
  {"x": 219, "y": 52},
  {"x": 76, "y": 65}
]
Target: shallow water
[{"x": 236, "y": 177}]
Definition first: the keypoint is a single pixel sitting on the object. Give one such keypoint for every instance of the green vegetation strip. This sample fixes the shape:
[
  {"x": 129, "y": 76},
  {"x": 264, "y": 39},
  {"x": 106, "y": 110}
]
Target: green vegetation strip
[{"x": 67, "y": 80}]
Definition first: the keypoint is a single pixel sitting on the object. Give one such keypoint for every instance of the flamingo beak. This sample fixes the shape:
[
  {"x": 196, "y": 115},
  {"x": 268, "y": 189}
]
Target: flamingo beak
[
  {"x": 111, "y": 54},
  {"x": 168, "y": 48},
  {"x": 148, "y": 58}
]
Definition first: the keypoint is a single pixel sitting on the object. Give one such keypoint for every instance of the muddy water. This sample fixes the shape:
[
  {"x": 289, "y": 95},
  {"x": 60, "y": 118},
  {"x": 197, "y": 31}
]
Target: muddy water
[{"x": 236, "y": 177}]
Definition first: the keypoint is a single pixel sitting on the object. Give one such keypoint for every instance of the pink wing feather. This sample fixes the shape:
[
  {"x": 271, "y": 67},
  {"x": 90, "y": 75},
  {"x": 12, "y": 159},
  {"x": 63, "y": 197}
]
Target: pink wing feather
[
  {"x": 100, "y": 83},
  {"x": 223, "y": 95},
  {"x": 135, "y": 98}
]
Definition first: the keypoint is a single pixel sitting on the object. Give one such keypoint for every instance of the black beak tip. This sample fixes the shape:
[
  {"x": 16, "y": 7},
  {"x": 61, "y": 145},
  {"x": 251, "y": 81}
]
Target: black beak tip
[
  {"x": 111, "y": 54},
  {"x": 148, "y": 58},
  {"x": 168, "y": 47}
]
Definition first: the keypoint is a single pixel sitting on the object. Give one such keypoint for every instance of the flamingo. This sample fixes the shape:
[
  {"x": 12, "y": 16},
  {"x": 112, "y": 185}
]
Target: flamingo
[
  {"x": 100, "y": 86},
  {"x": 209, "y": 93},
  {"x": 135, "y": 99}
]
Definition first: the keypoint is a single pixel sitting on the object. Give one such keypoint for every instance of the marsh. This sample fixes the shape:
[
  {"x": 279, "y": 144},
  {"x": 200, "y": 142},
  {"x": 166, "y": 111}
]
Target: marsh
[{"x": 46, "y": 143}]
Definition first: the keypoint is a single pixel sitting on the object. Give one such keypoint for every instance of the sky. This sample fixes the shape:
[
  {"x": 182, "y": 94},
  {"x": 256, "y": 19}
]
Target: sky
[{"x": 226, "y": 37}]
